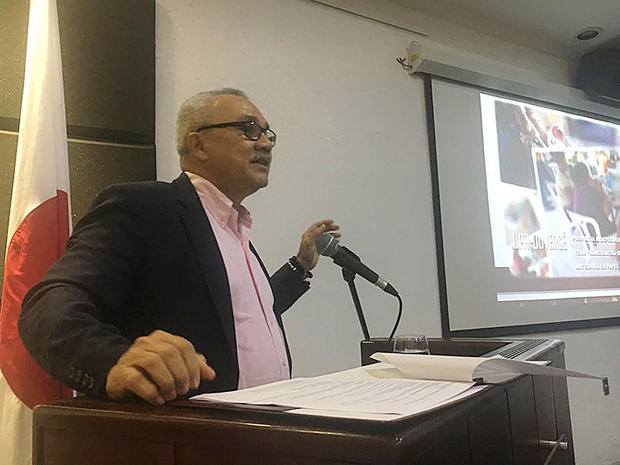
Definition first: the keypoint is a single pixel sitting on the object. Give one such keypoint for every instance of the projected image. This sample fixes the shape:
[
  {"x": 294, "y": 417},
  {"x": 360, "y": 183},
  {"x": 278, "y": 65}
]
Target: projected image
[
  {"x": 521, "y": 221},
  {"x": 515, "y": 138},
  {"x": 553, "y": 185}
]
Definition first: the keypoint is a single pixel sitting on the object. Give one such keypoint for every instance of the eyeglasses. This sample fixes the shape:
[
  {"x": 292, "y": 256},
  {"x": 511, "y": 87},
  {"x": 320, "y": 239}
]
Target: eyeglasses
[{"x": 251, "y": 129}]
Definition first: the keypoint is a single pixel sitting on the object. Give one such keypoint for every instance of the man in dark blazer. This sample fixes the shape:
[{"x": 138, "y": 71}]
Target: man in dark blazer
[{"x": 146, "y": 300}]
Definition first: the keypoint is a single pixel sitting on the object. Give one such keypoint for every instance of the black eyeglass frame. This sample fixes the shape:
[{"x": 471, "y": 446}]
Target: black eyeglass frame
[{"x": 244, "y": 125}]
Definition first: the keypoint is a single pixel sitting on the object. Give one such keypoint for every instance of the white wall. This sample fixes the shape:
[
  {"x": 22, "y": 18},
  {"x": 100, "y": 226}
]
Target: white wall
[
  {"x": 546, "y": 62},
  {"x": 352, "y": 146}
]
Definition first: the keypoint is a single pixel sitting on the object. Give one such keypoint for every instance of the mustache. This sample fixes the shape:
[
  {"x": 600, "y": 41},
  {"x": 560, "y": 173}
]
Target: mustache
[{"x": 262, "y": 157}]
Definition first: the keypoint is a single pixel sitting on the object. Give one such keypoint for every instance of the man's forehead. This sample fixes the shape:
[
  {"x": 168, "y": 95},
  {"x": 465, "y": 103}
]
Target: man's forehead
[{"x": 233, "y": 108}]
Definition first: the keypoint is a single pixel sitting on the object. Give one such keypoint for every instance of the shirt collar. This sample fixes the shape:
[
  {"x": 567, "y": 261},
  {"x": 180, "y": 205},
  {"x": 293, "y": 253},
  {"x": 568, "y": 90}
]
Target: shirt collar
[{"x": 219, "y": 205}]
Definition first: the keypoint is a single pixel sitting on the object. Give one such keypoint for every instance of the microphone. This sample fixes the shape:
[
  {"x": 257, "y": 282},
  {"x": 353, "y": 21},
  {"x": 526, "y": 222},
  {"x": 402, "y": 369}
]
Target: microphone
[{"x": 328, "y": 246}]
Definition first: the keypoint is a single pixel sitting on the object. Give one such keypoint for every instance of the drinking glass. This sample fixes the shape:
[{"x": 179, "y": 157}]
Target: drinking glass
[{"x": 411, "y": 344}]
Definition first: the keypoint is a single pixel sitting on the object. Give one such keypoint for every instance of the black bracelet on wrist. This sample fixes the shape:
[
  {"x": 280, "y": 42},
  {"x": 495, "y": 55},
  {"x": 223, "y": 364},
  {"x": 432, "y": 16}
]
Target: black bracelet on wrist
[{"x": 298, "y": 268}]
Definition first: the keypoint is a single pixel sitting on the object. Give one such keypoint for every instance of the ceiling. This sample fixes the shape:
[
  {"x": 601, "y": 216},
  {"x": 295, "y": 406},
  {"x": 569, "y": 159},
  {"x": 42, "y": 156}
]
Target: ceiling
[{"x": 545, "y": 25}]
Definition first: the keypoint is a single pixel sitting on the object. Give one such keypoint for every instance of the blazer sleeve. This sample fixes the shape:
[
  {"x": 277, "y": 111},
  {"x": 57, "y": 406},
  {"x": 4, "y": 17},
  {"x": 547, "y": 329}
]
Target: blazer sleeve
[
  {"x": 287, "y": 287},
  {"x": 66, "y": 318}
]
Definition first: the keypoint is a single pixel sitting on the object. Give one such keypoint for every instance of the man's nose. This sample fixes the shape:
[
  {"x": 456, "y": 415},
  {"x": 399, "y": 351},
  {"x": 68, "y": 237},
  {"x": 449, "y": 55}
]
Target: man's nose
[{"x": 263, "y": 142}]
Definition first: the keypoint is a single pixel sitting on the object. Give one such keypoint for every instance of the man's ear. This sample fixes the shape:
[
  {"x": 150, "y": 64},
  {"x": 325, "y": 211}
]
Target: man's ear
[{"x": 196, "y": 144}]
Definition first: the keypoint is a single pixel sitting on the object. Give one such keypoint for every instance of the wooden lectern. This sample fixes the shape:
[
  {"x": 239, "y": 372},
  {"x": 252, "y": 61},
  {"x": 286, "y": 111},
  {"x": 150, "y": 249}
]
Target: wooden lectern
[{"x": 523, "y": 422}]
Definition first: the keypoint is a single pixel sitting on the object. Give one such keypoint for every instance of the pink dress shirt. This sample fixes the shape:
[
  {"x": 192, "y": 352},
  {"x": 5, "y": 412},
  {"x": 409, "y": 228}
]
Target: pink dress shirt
[{"x": 261, "y": 351}]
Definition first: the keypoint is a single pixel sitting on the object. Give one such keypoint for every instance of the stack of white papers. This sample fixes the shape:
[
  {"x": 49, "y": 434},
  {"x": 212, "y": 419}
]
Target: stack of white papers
[
  {"x": 400, "y": 386},
  {"x": 364, "y": 398}
]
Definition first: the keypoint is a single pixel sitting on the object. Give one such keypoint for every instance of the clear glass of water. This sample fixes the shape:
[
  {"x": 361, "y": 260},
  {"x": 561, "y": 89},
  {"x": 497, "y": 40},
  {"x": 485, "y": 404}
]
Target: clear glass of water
[{"x": 411, "y": 344}]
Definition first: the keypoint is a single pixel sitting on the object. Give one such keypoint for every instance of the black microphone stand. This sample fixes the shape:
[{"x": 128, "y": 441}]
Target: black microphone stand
[
  {"x": 368, "y": 345},
  {"x": 349, "y": 276}
]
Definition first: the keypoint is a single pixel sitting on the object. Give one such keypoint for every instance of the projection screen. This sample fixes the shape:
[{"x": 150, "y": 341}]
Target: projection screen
[{"x": 529, "y": 196}]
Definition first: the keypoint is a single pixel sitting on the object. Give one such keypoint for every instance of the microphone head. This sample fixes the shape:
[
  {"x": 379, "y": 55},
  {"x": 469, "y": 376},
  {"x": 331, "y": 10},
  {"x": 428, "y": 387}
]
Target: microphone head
[{"x": 326, "y": 244}]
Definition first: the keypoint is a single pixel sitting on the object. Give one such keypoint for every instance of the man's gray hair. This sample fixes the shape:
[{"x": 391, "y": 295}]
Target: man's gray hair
[{"x": 193, "y": 114}]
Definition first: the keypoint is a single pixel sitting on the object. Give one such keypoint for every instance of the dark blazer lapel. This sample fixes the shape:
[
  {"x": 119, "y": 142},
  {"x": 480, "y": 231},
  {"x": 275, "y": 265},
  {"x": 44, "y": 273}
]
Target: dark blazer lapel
[
  {"x": 208, "y": 255},
  {"x": 262, "y": 265},
  {"x": 278, "y": 316}
]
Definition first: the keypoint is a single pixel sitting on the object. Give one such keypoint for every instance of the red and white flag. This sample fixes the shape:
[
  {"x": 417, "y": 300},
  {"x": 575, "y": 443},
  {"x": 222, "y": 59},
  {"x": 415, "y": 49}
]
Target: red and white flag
[{"x": 38, "y": 228}]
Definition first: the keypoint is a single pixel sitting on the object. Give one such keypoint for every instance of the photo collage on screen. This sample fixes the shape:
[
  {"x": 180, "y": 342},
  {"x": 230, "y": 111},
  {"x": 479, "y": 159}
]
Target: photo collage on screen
[{"x": 553, "y": 185}]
